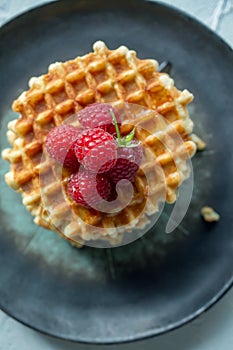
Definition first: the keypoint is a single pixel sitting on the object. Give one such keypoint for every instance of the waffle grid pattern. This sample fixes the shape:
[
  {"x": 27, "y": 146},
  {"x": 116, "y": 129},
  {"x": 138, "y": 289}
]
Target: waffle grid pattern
[{"x": 113, "y": 76}]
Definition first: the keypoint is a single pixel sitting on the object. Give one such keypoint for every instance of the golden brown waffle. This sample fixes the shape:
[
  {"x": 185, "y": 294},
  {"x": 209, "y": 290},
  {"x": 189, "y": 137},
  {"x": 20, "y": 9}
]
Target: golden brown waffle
[{"x": 112, "y": 76}]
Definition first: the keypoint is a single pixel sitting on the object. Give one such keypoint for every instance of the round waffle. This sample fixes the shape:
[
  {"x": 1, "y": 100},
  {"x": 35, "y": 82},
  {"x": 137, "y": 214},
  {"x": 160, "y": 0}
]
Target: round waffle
[{"x": 111, "y": 76}]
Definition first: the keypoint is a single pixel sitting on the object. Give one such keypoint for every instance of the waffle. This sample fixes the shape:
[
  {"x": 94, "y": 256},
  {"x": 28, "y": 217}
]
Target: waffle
[{"x": 110, "y": 76}]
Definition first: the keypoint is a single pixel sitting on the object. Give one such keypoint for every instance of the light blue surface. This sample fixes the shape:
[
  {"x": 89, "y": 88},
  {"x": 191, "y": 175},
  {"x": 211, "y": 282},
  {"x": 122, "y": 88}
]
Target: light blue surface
[{"x": 214, "y": 329}]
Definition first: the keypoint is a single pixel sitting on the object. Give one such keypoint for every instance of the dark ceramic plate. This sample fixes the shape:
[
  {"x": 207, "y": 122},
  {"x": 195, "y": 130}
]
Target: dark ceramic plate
[{"x": 161, "y": 281}]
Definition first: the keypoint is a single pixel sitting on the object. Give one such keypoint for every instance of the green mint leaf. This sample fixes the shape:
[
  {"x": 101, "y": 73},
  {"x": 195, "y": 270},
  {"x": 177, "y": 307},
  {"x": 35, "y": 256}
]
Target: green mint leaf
[
  {"x": 128, "y": 138},
  {"x": 123, "y": 141}
]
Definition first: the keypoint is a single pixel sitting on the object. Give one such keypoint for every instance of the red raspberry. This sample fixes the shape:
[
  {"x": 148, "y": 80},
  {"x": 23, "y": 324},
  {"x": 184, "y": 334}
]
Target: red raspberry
[
  {"x": 82, "y": 188},
  {"x": 127, "y": 164},
  {"x": 60, "y": 145},
  {"x": 96, "y": 150},
  {"x": 113, "y": 193},
  {"x": 98, "y": 115}
]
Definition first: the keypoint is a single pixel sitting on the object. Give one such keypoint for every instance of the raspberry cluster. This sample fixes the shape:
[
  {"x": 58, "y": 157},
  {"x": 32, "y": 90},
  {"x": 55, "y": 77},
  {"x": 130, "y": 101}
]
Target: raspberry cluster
[{"x": 96, "y": 154}]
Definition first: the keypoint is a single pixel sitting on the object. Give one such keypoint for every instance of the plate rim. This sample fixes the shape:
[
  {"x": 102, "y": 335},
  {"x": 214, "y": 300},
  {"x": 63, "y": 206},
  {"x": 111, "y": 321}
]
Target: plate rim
[
  {"x": 226, "y": 287},
  {"x": 143, "y": 336}
]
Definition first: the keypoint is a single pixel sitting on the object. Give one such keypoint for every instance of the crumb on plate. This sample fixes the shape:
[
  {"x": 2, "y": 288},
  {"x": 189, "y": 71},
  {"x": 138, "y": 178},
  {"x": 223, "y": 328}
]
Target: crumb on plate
[{"x": 209, "y": 214}]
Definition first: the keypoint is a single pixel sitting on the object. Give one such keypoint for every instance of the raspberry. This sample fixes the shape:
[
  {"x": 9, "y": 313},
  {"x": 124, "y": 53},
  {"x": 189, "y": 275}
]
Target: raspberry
[
  {"x": 98, "y": 115},
  {"x": 113, "y": 193},
  {"x": 127, "y": 164},
  {"x": 60, "y": 145},
  {"x": 96, "y": 150},
  {"x": 82, "y": 188}
]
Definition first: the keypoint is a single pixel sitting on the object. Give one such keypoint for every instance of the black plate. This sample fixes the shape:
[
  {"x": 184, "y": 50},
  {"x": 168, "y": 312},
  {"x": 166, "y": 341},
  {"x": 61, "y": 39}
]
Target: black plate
[{"x": 161, "y": 281}]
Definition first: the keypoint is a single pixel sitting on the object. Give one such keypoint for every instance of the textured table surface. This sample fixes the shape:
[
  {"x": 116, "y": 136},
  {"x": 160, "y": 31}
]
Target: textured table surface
[{"x": 214, "y": 329}]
